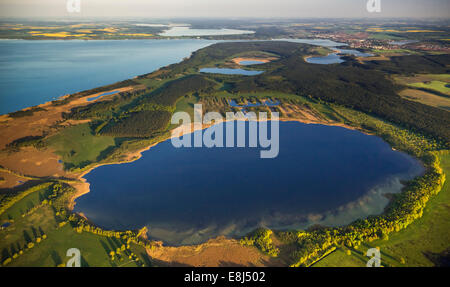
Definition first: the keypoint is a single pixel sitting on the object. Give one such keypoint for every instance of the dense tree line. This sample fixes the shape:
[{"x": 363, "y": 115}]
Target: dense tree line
[
  {"x": 139, "y": 124},
  {"x": 413, "y": 64},
  {"x": 35, "y": 141},
  {"x": 25, "y": 113},
  {"x": 261, "y": 239},
  {"x": 9, "y": 199},
  {"x": 168, "y": 94}
]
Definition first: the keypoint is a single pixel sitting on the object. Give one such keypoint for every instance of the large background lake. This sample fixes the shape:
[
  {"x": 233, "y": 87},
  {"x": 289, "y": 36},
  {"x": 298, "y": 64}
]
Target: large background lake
[
  {"x": 34, "y": 72},
  {"x": 327, "y": 175}
]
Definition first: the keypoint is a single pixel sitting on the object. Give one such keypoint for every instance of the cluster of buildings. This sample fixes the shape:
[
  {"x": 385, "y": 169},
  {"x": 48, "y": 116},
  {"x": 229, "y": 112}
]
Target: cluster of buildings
[{"x": 362, "y": 41}]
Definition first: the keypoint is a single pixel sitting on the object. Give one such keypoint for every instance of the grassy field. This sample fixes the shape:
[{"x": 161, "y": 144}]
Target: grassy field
[
  {"x": 426, "y": 98},
  {"x": 78, "y": 144},
  {"x": 396, "y": 51},
  {"x": 423, "y": 243},
  {"x": 441, "y": 87},
  {"x": 35, "y": 238},
  {"x": 24, "y": 205},
  {"x": 424, "y": 80},
  {"x": 385, "y": 36},
  {"x": 94, "y": 250},
  {"x": 428, "y": 89}
]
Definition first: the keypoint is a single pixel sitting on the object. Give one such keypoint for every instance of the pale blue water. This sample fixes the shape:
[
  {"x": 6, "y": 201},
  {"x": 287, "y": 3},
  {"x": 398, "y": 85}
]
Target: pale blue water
[
  {"x": 323, "y": 174},
  {"x": 403, "y": 42},
  {"x": 246, "y": 63},
  {"x": 101, "y": 95},
  {"x": 187, "y": 31},
  {"x": 354, "y": 53},
  {"x": 333, "y": 58},
  {"x": 228, "y": 71},
  {"x": 325, "y": 60},
  {"x": 34, "y": 72},
  {"x": 316, "y": 42}
]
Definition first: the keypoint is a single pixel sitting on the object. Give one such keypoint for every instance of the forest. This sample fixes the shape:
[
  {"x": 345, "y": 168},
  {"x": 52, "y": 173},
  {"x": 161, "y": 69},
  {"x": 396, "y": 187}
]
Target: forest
[{"x": 138, "y": 124}]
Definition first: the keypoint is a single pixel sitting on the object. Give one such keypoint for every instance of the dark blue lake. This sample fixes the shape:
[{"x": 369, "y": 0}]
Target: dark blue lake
[{"x": 327, "y": 175}]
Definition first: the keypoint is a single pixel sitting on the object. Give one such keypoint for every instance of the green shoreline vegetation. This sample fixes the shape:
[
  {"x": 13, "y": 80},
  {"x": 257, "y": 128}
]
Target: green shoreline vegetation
[{"x": 352, "y": 94}]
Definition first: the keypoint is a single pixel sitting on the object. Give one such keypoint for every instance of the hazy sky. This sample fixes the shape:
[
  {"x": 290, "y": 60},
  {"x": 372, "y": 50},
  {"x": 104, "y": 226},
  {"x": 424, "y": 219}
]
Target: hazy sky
[{"x": 225, "y": 8}]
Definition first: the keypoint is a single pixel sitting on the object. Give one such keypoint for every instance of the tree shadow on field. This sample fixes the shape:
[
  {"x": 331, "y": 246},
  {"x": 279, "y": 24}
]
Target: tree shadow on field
[
  {"x": 55, "y": 257},
  {"x": 105, "y": 247},
  {"x": 13, "y": 248},
  {"x": 41, "y": 232},
  {"x": 146, "y": 259},
  {"x": 112, "y": 244},
  {"x": 83, "y": 262},
  {"x": 5, "y": 254},
  {"x": 26, "y": 236},
  {"x": 35, "y": 234},
  {"x": 439, "y": 259}
]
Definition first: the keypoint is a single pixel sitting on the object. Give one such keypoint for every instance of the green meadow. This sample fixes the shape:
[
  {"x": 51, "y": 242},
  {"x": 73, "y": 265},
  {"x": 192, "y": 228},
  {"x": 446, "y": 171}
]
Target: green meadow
[
  {"x": 78, "y": 145},
  {"x": 36, "y": 237},
  {"x": 439, "y": 86}
]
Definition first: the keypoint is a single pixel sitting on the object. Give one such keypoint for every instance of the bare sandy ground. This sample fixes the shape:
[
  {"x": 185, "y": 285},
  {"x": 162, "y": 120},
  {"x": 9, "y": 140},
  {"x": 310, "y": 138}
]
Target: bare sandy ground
[
  {"x": 426, "y": 98},
  {"x": 82, "y": 187},
  {"x": 214, "y": 253},
  {"x": 260, "y": 59},
  {"x": 33, "y": 162},
  {"x": 9, "y": 180},
  {"x": 374, "y": 58}
]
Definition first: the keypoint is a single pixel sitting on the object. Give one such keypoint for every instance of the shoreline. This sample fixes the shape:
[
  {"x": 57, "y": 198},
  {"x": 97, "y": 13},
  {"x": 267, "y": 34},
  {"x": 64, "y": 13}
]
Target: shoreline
[
  {"x": 136, "y": 155},
  {"x": 305, "y": 58},
  {"x": 83, "y": 187}
]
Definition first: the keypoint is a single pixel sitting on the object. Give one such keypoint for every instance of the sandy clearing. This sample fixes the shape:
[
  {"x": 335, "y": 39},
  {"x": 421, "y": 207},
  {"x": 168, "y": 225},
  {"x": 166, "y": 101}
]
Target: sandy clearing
[
  {"x": 426, "y": 98},
  {"x": 82, "y": 187},
  {"x": 33, "y": 162},
  {"x": 260, "y": 59},
  {"x": 10, "y": 180},
  {"x": 216, "y": 252},
  {"x": 373, "y": 58}
]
